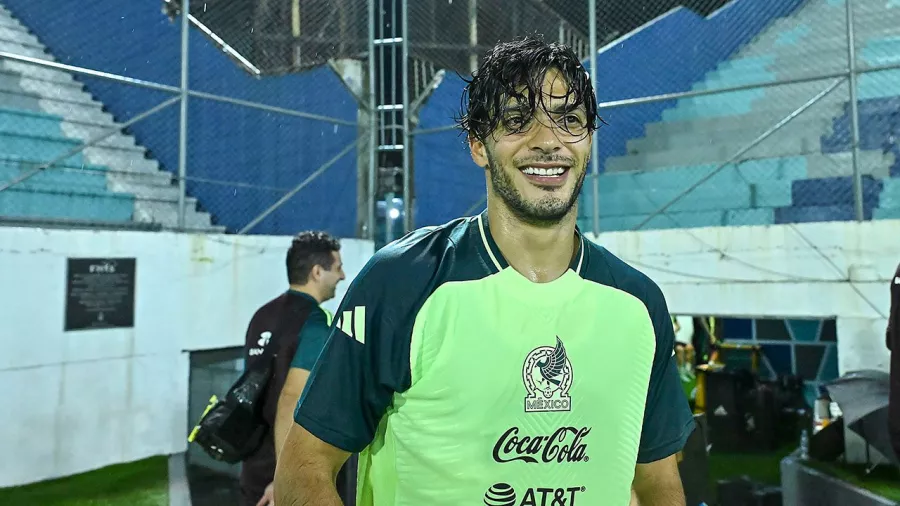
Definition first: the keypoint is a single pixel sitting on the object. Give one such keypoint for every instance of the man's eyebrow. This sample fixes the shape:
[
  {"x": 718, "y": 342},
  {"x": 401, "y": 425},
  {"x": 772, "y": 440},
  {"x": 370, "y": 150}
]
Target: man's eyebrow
[
  {"x": 513, "y": 108},
  {"x": 566, "y": 108}
]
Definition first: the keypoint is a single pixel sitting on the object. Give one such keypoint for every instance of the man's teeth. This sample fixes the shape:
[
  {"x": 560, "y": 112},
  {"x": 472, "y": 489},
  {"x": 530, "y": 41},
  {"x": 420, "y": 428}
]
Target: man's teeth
[{"x": 535, "y": 171}]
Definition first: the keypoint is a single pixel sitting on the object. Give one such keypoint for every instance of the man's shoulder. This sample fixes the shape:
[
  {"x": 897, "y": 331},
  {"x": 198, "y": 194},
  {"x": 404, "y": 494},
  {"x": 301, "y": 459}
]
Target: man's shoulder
[
  {"x": 265, "y": 313},
  {"x": 407, "y": 261},
  {"x": 607, "y": 268}
]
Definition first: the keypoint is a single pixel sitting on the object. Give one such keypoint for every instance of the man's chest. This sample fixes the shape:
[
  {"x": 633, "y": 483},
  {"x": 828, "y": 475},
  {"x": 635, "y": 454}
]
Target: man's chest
[{"x": 506, "y": 357}]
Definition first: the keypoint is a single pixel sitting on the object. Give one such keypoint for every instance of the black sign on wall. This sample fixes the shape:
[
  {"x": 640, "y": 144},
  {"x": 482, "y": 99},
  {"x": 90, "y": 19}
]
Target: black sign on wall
[{"x": 99, "y": 293}]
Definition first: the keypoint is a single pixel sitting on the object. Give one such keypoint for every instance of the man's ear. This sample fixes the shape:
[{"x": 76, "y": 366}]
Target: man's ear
[
  {"x": 479, "y": 151},
  {"x": 315, "y": 273}
]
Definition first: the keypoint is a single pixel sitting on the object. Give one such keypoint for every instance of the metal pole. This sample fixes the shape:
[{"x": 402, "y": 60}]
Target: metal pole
[
  {"x": 325, "y": 166},
  {"x": 78, "y": 149},
  {"x": 373, "y": 128},
  {"x": 765, "y": 135},
  {"x": 699, "y": 93},
  {"x": 595, "y": 157},
  {"x": 854, "y": 115},
  {"x": 473, "y": 35},
  {"x": 404, "y": 83},
  {"x": 183, "y": 118},
  {"x": 270, "y": 108},
  {"x": 88, "y": 72}
]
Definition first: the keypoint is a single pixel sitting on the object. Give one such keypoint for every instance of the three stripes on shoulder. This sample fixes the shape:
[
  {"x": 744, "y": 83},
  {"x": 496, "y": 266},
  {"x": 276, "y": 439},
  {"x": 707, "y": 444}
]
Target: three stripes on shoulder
[{"x": 353, "y": 323}]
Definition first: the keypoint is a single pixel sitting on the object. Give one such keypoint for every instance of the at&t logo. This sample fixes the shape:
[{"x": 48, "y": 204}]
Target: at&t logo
[{"x": 503, "y": 494}]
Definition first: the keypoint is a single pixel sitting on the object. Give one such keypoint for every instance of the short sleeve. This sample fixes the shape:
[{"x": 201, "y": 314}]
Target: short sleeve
[
  {"x": 311, "y": 340},
  {"x": 364, "y": 362},
  {"x": 668, "y": 421}
]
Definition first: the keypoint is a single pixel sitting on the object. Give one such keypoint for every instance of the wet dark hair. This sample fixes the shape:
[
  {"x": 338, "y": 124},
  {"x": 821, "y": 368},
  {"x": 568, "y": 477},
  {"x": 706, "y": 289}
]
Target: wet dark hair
[
  {"x": 307, "y": 250},
  {"x": 515, "y": 70}
]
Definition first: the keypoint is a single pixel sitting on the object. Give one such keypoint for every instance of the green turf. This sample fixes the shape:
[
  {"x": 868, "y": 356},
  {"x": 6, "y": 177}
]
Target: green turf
[
  {"x": 141, "y": 483},
  {"x": 883, "y": 480},
  {"x": 763, "y": 468}
]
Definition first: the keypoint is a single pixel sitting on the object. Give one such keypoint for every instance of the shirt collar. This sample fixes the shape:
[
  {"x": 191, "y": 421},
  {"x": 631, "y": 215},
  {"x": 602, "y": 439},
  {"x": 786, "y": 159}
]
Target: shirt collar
[{"x": 499, "y": 262}]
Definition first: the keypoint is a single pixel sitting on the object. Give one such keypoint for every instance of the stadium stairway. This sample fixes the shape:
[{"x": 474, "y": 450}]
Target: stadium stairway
[
  {"x": 45, "y": 113},
  {"x": 803, "y": 172}
]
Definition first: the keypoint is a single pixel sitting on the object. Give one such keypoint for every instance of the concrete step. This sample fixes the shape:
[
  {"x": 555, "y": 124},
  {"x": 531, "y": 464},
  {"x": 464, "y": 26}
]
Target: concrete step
[
  {"x": 758, "y": 121},
  {"x": 120, "y": 160},
  {"x": 17, "y": 35},
  {"x": 51, "y": 91},
  {"x": 59, "y": 93},
  {"x": 139, "y": 178},
  {"x": 812, "y": 63},
  {"x": 874, "y": 163},
  {"x": 705, "y": 152},
  {"x": 166, "y": 214},
  {"x": 68, "y": 110},
  {"x": 86, "y": 132},
  {"x": 59, "y": 80},
  {"x": 834, "y": 21},
  {"x": 795, "y": 94},
  {"x": 819, "y": 165},
  {"x": 30, "y": 50},
  {"x": 10, "y": 23},
  {"x": 48, "y": 129},
  {"x": 158, "y": 193},
  {"x": 159, "y": 178},
  {"x": 818, "y": 41},
  {"x": 808, "y": 133},
  {"x": 778, "y": 109},
  {"x": 37, "y": 72}
]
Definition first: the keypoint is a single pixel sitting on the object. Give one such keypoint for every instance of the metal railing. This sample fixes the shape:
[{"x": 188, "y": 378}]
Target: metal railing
[
  {"x": 852, "y": 72},
  {"x": 388, "y": 126},
  {"x": 189, "y": 99}
]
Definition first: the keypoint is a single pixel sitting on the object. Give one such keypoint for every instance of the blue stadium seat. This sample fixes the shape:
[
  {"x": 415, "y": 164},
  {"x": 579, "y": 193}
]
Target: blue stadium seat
[
  {"x": 807, "y": 214},
  {"x": 33, "y": 201},
  {"x": 834, "y": 191}
]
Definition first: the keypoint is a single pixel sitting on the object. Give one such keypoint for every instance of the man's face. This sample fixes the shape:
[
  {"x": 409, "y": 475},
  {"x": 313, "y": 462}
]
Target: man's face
[
  {"x": 328, "y": 279},
  {"x": 537, "y": 167}
]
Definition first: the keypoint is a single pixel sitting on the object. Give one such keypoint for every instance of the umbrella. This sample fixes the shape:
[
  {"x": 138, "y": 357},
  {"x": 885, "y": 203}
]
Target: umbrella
[{"x": 863, "y": 399}]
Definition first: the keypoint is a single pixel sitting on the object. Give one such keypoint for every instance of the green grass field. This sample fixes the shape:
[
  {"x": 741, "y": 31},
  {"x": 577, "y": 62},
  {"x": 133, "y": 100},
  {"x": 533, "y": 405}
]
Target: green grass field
[
  {"x": 883, "y": 480},
  {"x": 141, "y": 483},
  {"x": 766, "y": 468}
]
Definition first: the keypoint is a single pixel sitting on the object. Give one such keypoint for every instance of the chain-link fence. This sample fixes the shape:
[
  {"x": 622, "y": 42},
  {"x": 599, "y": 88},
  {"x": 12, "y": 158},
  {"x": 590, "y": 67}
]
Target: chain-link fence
[
  {"x": 92, "y": 131},
  {"x": 719, "y": 113},
  {"x": 281, "y": 36}
]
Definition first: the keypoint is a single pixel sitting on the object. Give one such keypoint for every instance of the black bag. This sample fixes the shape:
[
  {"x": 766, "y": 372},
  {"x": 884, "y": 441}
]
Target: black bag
[{"x": 232, "y": 429}]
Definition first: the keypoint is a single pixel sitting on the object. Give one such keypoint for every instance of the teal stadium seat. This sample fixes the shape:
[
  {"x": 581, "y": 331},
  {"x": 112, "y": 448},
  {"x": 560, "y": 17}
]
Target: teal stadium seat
[
  {"x": 697, "y": 134},
  {"x": 69, "y": 190}
]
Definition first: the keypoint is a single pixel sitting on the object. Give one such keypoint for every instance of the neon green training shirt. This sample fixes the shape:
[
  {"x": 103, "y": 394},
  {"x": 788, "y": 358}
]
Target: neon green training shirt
[{"x": 461, "y": 382}]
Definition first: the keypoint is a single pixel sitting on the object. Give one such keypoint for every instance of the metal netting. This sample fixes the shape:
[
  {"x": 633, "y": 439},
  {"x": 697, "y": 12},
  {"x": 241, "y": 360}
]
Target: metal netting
[{"x": 269, "y": 37}]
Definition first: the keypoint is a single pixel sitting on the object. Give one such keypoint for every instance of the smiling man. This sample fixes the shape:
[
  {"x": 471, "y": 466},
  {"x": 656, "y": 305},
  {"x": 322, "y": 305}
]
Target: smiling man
[{"x": 500, "y": 359}]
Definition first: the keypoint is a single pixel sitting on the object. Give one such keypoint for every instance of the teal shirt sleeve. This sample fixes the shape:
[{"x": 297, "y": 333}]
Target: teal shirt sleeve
[
  {"x": 365, "y": 361},
  {"x": 312, "y": 338},
  {"x": 668, "y": 421}
]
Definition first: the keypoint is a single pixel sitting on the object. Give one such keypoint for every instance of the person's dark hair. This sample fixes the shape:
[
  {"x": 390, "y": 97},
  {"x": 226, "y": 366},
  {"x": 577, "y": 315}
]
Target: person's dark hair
[
  {"x": 307, "y": 250},
  {"x": 516, "y": 70}
]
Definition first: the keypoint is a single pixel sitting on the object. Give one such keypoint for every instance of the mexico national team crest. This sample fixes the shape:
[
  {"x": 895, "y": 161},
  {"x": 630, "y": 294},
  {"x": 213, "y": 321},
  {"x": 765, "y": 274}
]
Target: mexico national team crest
[{"x": 548, "y": 376}]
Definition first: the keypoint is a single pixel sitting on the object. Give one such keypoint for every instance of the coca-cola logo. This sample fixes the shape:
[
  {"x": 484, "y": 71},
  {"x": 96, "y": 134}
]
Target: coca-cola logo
[{"x": 566, "y": 444}]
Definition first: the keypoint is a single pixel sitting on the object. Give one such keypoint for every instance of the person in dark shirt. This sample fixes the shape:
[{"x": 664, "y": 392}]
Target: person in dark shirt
[
  {"x": 893, "y": 344},
  {"x": 314, "y": 269}
]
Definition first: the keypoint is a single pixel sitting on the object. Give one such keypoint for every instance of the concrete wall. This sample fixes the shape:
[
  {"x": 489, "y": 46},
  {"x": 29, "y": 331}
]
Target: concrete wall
[
  {"x": 819, "y": 270},
  {"x": 75, "y": 401}
]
